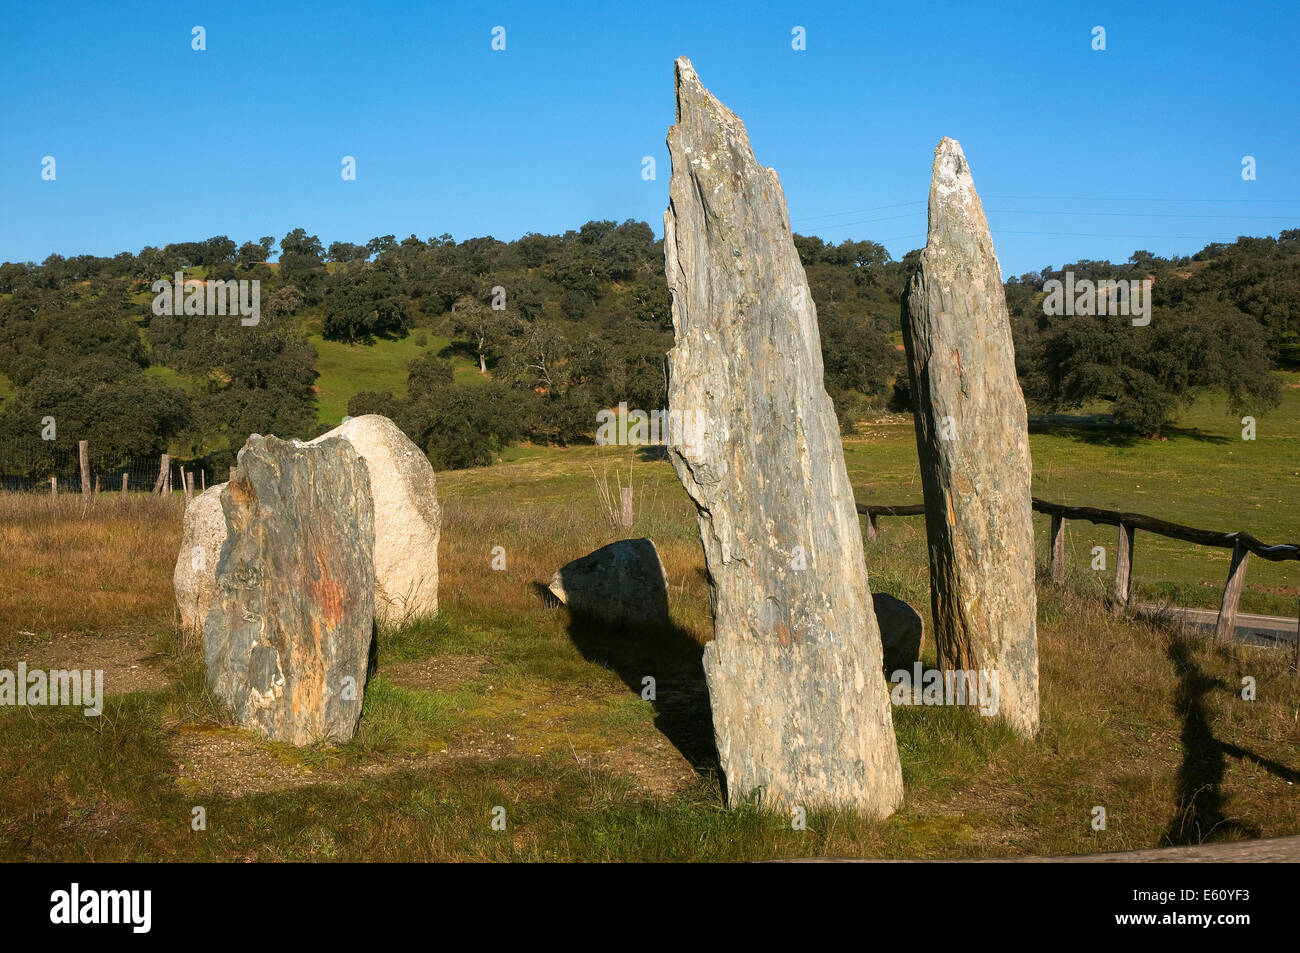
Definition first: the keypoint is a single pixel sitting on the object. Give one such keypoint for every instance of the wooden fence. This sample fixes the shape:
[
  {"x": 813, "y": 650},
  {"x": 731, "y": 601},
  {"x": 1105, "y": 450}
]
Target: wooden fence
[{"x": 1241, "y": 544}]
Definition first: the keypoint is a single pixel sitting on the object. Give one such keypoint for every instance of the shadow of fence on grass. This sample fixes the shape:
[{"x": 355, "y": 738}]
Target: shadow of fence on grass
[{"x": 1199, "y": 810}]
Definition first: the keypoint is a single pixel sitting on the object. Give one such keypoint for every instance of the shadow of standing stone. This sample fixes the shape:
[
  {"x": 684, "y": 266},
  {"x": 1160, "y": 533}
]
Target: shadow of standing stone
[{"x": 288, "y": 637}]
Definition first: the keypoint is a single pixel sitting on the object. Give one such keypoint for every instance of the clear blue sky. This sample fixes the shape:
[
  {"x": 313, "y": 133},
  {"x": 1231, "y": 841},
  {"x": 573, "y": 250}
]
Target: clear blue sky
[{"x": 156, "y": 143}]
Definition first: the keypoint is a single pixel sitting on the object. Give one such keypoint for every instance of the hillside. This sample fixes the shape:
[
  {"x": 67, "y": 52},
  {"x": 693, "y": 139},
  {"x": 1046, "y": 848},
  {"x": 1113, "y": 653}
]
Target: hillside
[{"x": 527, "y": 340}]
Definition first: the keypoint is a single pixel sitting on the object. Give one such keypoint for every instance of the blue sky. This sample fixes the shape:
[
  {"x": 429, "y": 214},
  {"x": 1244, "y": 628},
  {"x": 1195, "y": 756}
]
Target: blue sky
[{"x": 1077, "y": 153}]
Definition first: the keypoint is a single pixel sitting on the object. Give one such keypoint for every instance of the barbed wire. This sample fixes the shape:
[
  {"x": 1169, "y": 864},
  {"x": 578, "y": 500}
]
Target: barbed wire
[{"x": 31, "y": 465}]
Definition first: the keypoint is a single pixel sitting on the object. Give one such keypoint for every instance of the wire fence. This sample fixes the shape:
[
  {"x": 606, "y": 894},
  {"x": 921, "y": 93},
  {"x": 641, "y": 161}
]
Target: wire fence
[{"x": 55, "y": 467}]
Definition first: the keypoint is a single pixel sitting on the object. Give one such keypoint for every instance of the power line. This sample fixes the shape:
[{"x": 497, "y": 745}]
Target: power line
[
  {"x": 1060, "y": 198},
  {"x": 1205, "y": 238},
  {"x": 1027, "y": 211},
  {"x": 1079, "y": 198},
  {"x": 856, "y": 211},
  {"x": 1009, "y": 231},
  {"x": 870, "y": 221}
]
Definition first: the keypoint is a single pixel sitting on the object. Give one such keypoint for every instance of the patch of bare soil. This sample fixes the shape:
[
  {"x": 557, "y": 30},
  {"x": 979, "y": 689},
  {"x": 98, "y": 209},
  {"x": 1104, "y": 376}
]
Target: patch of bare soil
[
  {"x": 436, "y": 674},
  {"x": 231, "y": 763},
  {"x": 127, "y": 665},
  {"x": 1284, "y": 591},
  {"x": 659, "y": 770}
]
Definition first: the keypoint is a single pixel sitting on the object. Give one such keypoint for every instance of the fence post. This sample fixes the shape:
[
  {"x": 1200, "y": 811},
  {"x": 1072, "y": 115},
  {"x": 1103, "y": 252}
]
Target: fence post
[
  {"x": 203, "y": 480},
  {"x": 97, "y": 484},
  {"x": 1227, "y": 624},
  {"x": 124, "y": 479},
  {"x": 1123, "y": 568},
  {"x": 188, "y": 480},
  {"x": 871, "y": 526},
  {"x": 164, "y": 467},
  {"x": 1058, "y": 549},
  {"x": 54, "y": 486},
  {"x": 83, "y": 455},
  {"x": 625, "y": 500},
  {"x": 1295, "y": 661}
]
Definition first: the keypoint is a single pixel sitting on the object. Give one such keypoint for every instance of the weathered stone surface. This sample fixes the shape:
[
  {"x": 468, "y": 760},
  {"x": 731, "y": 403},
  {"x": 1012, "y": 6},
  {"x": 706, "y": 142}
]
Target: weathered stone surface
[
  {"x": 288, "y": 636},
  {"x": 800, "y": 709},
  {"x": 408, "y": 520},
  {"x": 901, "y": 631},
  {"x": 194, "y": 579},
  {"x": 621, "y": 582},
  {"x": 972, "y": 434}
]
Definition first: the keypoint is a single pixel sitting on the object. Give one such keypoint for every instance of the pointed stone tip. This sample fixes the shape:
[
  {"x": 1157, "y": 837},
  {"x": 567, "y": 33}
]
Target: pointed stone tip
[
  {"x": 948, "y": 146},
  {"x": 686, "y": 78},
  {"x": 687, "y": 84},
  {"x": 951, "y": 171}
]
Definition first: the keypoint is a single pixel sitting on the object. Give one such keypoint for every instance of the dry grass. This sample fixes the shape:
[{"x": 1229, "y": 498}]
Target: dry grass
[
  {"x": 78, "y": 567},
  {"x": 504, "y": 701}
]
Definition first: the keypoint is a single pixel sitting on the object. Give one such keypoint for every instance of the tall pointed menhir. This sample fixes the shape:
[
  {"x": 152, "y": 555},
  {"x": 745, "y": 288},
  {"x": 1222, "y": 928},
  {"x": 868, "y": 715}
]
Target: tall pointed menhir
[
  {"x": 800, "y": 709},
  {"x": 972, "y": 434}
]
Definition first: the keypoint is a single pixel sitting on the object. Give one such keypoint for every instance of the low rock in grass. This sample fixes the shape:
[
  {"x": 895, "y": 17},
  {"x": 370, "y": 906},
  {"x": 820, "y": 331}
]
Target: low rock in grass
[
  {"x": 622, "y": 582},
  {"x": 901, "y": 631}
]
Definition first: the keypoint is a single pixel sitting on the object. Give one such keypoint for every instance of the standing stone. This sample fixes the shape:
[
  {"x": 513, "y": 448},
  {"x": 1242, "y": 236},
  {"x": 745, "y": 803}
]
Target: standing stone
[
  {"x": 972, "y": 434},
  {"x": 800, "y": 709},
  {"x": 194, "y": 579},
  {"x": 288, "y": 637},
  {"x": 408, "y": 520},
  {"x": 622, "y": 582}
]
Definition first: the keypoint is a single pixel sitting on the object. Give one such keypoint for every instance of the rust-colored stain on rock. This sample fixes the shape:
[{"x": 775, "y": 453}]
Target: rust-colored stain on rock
[{"x": 325, "y": 590}]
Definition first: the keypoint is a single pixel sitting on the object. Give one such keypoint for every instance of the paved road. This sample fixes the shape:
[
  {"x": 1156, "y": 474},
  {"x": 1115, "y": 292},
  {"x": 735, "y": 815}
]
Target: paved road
[
  {"x": 1265, "y": 850},
  {"x": 1271, "y": 630}
]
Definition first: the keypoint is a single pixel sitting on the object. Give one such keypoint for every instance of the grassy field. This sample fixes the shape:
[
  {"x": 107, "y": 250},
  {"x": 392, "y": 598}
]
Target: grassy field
[
  {"x": 1203, "y": 475},
  {"x": 347, "y": 369},
  {"x": 504, "y": 701}
]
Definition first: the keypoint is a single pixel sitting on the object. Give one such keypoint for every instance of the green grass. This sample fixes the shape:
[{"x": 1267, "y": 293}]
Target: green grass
[
  {"x": 503, "y": 702},
  {"x": 427, "y": 768},
  {"x": 190, "y": 383},
  {"x": 347, "y": 369},
  {"x": 1203, "y": 475}
]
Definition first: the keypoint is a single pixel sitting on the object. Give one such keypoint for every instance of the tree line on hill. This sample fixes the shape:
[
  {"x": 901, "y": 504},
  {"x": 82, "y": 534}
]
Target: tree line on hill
[{"x": 558, "y": 327}]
